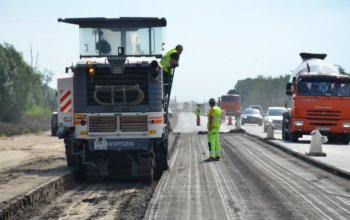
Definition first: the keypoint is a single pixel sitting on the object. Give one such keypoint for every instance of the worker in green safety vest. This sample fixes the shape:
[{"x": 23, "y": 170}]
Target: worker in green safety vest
[
  {"x": 197, "y": 112},
  {"x": 171, "y": 59},
  {"x": 169, "y": 62},
  {"x": 214, "y": 123}
]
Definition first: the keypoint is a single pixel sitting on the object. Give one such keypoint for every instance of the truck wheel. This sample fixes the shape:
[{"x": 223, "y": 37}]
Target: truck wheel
[
  {"x": 331, "y": 139},
  {"x": 80, "y": 171},
  {"x": 346, "y": 139},
  {"x": 71, "y": 161},
  {"x": 260, "y": 123},
  {"x": 54, "y": 124},
  {"x": 147, "y": 179},
  {"x": 294, "y": 136},
  {"x": 147, "y": 175},
  {"x": 242, "y": 122},
  {"x": 146, "y": 170},
  {"x": 166, "y": 155},
  {"x": 285, "y": 133}
]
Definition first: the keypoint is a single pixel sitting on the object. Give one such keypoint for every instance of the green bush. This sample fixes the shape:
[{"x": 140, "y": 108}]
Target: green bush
[
  {"x": 22, "y": 86},
  {"x": 26, "y": 131},
  {"x": 38, "y": 111}
]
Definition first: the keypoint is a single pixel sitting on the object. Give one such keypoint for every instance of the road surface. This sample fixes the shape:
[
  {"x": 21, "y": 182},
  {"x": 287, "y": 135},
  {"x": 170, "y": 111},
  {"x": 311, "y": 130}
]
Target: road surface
[
  {"x": 252, "y": 181},
  {"x": 338, "y": 155}
]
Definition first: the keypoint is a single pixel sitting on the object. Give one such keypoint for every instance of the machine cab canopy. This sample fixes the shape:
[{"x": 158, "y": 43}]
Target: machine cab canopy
[{"x": 101, "y": 37}]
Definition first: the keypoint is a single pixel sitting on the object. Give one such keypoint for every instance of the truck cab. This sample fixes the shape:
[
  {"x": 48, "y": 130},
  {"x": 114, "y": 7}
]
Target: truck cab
[
  {"x": 111, "y": 104},
  {"x": 319, "y": 100},
  {"x": 231, "y": 104}
]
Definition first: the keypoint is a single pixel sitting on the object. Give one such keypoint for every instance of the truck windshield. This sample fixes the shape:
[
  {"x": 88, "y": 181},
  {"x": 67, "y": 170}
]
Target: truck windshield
[
  {"x": 121, "y": 41},
  {"x": 230, "y": 99},
  {"x": 323, "y": 88}
]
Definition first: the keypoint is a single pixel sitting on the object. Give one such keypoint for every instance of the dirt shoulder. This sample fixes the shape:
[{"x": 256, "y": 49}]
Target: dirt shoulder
[{"x": 27, "y": 161}]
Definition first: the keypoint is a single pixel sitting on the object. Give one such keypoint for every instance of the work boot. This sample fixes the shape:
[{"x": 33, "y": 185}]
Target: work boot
[{"x": 210, "y": 159}]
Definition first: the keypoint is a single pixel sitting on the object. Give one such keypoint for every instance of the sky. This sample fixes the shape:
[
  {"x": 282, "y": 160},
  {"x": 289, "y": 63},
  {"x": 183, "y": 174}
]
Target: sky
[{"x": 224, "y": 40}]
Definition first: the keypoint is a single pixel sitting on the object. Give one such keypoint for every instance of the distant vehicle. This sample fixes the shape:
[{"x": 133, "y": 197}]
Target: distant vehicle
[
  {"x": 231, "y": 104},
  {"x": 319, "y": 100},
  {"x": 186, "y": 107},
  {"x": 251, "y": 116},
  {"x": 274, "y": 115},
  {"x": 258, "y": 107}
]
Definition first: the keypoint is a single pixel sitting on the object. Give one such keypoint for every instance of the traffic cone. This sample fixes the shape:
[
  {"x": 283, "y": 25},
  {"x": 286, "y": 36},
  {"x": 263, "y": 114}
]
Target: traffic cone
[
  {"x": 238, "y": 123},
  {"x": 316, "y": 144},
  {"x": 270, "y": 131},
  {"x": 229, "y": 121}
]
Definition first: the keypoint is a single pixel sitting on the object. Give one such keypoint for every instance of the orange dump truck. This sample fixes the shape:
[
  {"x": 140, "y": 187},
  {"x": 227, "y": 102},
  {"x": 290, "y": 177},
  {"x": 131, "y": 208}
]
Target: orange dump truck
[
  {"x": 231, "y": 104},
  {"x": 320, "y": 100}
]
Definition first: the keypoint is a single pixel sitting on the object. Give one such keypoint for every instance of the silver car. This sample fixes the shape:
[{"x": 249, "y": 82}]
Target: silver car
[
  {"x": 274, "y": 115},
  {"x": 251, "y": 116}
]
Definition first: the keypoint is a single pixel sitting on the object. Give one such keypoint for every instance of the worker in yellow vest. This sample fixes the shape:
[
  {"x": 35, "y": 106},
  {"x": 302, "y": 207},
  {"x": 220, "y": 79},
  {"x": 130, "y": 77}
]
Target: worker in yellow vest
[
  {"x": 169, "y": 62},
  {"x": 171, "y": 59},
  {"x": 214, "y": 123},
  {"x": 197, "y": 112}
]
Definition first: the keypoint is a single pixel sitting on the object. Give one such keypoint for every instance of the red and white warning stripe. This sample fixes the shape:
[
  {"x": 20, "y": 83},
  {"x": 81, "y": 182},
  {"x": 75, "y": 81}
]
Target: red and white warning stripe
[{"x": 66, "y": 101}]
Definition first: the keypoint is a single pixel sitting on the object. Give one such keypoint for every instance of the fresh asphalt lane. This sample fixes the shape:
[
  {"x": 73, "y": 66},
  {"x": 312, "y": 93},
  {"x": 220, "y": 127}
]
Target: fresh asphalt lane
[{"x": 252, "y": 181}]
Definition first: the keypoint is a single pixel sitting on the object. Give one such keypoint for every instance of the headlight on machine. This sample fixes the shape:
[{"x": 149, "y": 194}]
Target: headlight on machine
[
  {"x": 298, "y": 123},
  {"x": 346, "y": 124}
]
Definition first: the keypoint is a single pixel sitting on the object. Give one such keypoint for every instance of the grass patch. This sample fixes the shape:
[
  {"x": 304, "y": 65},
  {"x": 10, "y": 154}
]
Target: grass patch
[
  {"x": 26, "y": 131},
  {"x": 38, "y": 111},
  {"x": 3, "y": 135},
  {"x": 39, "y": 131}
]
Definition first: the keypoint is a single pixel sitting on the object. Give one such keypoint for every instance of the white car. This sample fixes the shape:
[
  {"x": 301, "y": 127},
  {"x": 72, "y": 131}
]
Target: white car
[{"x": 274, "y": 115}]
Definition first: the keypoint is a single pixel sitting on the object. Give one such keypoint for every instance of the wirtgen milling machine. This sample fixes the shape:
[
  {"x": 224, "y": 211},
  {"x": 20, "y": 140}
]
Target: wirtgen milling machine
[{"x": 112, "y": 107}]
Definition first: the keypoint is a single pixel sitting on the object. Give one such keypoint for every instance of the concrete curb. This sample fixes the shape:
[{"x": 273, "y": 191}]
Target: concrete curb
[
  {"x": 43, "y": 193},
  {"x": 319, "y": 164}
]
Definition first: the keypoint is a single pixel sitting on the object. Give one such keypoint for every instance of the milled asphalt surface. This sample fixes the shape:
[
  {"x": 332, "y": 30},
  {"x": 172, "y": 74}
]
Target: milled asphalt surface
[
  {"x": 338, "y": 155},
  {"x": 252, "y": 181}
]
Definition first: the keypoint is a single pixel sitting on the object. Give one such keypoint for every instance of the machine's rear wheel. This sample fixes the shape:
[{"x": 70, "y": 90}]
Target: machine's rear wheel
[
  {"x": 146, "y": 170},
  {"x": 71, "y": 160},
  {"x": 147, "y": 178},
  {"x": 54, "y": 124},
  {"x": 80, "y": 171},
  {"x": 162, "y": 159}
]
